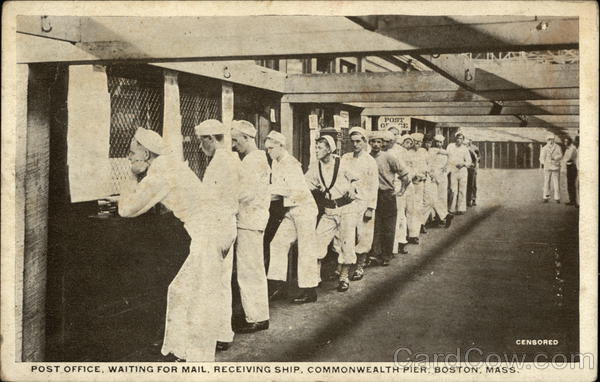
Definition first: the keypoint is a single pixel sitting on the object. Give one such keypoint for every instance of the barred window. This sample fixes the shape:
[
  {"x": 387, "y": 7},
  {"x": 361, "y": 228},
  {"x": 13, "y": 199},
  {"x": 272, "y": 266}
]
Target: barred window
[
  {"x": 136, "y": 100},
  {"x": 200, "y": 99}
]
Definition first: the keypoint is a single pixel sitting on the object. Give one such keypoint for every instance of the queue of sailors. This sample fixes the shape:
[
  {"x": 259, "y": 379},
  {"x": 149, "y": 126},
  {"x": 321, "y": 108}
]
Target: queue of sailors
[{"x": 368, "y": 205}]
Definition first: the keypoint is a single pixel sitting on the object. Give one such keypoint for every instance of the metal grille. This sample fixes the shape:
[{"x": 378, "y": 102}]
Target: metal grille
[
  {"x": 196, "y": 105},
  {"x": 134, "y": 102}
]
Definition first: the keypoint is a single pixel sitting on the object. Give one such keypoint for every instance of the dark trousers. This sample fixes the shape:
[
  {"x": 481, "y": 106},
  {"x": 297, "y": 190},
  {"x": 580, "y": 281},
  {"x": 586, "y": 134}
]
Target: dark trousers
[
  {"x": 571, "y": 185},
  {"x": 385, "y": 225},
  {"x": 471, "y": 185},
  {"x": 276, "y": 212},
  {"x": 450, "y": 194}
]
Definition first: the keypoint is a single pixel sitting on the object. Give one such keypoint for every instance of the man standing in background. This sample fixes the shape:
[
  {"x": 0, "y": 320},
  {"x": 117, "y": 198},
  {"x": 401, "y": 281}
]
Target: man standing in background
[
  {"x": 570, "y": 165},
  {"x": 254, "y": 200},
  {"x": 437, "y": 160},
  {"x": 420, "y": 170},
  {"x": 405, "y": 200},
  {"x": 550, "y": 156},
  {"x": 439, "y": 174},
  {"x": 459, "y": 159},
  {"x": 472, "y": 173},
  {"x": 389, "y": 167}
]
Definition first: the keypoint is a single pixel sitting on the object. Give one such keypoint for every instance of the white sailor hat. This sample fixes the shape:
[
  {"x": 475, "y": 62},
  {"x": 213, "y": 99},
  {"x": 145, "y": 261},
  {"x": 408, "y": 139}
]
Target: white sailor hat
[
  {"x": 439, "y": 138},
  {"x": 459, "y": 132},
  {"x": 375, "y": 135},
  {"x": 210, "y": 127},
  {"x": 400, "y": 139},
  {"x": 358, "y": 130},
  {"x": 330, "y": 141},
  {"x": 244, "y": 127},
  {"x": 151, "y": 140},
  {"x": 550, "y": 136},
  {"x": 388, "y": 136},
  {"x": 417, "y": 136},
  {"x": 277, "y": 137}
]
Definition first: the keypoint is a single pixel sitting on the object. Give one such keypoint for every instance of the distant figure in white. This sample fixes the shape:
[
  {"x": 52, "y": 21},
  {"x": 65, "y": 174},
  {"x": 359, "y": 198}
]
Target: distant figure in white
[
  {"x": 191, "y": 327},
  {"x": 459, "y": 159},
  {"x": 550, "y": 160}
]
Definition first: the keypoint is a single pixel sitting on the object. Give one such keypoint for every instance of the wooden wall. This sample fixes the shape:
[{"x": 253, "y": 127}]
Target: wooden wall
[{"x": 35, "y": 245}]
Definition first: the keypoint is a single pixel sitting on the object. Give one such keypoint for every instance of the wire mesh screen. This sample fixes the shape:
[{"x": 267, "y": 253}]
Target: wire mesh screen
[
  {"x": 136, "y": 100},
  {"x": 198, "y": 102}
]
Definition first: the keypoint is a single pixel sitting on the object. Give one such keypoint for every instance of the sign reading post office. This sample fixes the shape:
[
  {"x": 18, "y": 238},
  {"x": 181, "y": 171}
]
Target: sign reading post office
[{"x": 388, "y": 121}]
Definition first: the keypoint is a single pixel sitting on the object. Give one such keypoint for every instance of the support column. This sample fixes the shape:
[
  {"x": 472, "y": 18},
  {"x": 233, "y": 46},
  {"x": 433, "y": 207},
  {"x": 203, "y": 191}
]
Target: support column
[
  {"x": 34, "y": 177},
  {"x": 365, "y": 121},
  {"x": 361, "y": 64},
  {"x": 172, "y": 115},
  {"x": 287, "y": 124},
  {"x": 314, "y": 132},
  {"x": 531, "y": 151},
  {"x": 283, "y": 65},
  {"x": 227, "y": 110},
  {"x": 313, "y": 65}
]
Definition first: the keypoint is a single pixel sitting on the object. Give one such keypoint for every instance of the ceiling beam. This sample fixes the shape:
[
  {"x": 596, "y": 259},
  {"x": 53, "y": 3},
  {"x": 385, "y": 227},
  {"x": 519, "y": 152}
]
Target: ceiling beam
[
  {"x": 473, "y": 110},
  {"x": 244, "y": 73},
  {"x": 433, "y": 105},
  {"x": 499, "y": 118},
  {"x": 515, "y": 76},
  {"x": 456, "y": 34},
  {"x": 394, "y": 61},
  {"x": 456, "y": 68},
  {"x": 506, "y": 82},
  {"x": 62, "y": 28},
  {"x": 508, "y": 124},
  {"x": 252, "y": 37},
  {"x": 439, "y": 96},
  {"x": 201, "y": 38}
]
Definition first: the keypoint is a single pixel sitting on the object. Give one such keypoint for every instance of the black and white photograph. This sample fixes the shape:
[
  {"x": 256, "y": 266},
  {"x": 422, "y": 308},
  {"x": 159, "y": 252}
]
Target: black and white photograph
[{"x": 305, "y": 191}]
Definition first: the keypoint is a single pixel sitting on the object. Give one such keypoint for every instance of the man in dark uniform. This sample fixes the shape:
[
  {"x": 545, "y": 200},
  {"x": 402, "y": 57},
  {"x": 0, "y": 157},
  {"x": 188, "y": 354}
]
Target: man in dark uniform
[
  {"x": 389, "y": 167},
  {"x": 472, "y": 174}
]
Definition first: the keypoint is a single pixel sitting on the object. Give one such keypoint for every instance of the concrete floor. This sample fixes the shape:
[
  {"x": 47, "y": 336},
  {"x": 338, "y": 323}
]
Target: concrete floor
[{"x": 507, "y": 270}]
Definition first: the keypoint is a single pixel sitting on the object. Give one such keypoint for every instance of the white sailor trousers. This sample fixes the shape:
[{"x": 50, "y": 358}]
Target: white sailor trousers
[
  {"x": 251, "y": 275},
  {"x": 364, "y": 232},
  {"x": 226, "y": 232},
  {"x": 414, "y": 209},
  {"x": 459, "y": 189},
  {"x": 401, "y": 219},
  {"x": 552, "y": 177},
  {"x": 298, "y": 224},
  {"x": 432, "y": 200},
  {"x": 339, "y": 223},
  {"x": 442, "y": 193},
  {"x": 197, "y": 297}
]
